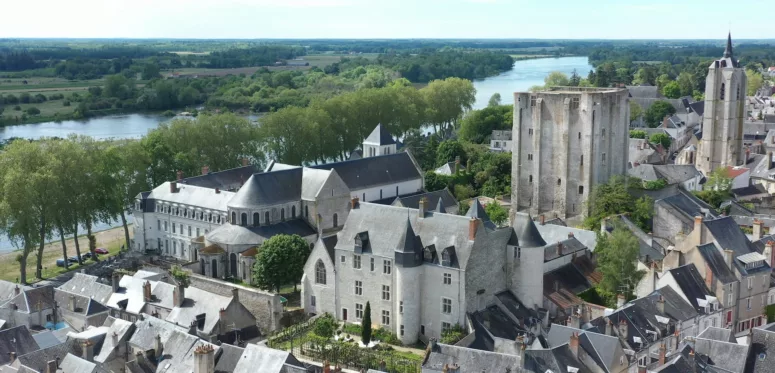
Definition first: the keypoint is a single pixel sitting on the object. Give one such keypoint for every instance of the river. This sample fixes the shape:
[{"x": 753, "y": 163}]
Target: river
[{"x": 524, "y": 75}]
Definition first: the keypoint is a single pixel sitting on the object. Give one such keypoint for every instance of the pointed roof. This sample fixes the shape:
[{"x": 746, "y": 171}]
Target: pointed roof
[
  {"x": 477, "y": 211},
  {"x": 380, "y": 136},
  {"x": 408, "y": 242},
  {"x": 526, "y": 231},
  {"x": 728, "y": 49},
  {"x": 440, "y": 207}
]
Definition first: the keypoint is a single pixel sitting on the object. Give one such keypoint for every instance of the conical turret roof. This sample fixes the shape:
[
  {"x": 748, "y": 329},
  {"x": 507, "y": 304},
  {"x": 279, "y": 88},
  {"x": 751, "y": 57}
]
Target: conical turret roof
[{"x": 527, "y": 233}]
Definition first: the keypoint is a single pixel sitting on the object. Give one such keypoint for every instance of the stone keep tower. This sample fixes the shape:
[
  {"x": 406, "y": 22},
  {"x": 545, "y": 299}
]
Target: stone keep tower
[
  {"x": 722, "y": 124},
  {"x": 565, "y": 141}
]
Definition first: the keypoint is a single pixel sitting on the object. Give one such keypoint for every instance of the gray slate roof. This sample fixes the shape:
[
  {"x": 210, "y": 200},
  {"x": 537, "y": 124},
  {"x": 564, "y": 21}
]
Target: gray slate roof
[
  {"x": 46, "y": 339},
  {"x": 199, "y": 302},
  {"x": 726, "y": 355},
  {"x": 762, "y": 350},
  {"x": 380, "y": 136},
  {"x": 556, "y": 359},
  {"x": 24, "y": 342},
  {"x": 230, "y": 356},
  {"x": 691, "y": 284},
  {"x": 87, "y": 286},
  {"x": 380, "y": 170},
  {"x": 643, "y": 91},
  {"x": 147, "y": 329},
  {"x": 37, "y": 360},
  {"x": 229, "y": 234},
  {"x": 74, "y": 364},
  {"x": 269, "y": 188},
  {"x": 687, "y": 206},
  {"x": 715, "y": 261},
  {"x": 718, "y": 334},
  {"x": 469, "y": 360},
  {"x": 8, "y": 289},
  {"x": 443, "y": 196},
  {"x": 222, "y": 179},
  {"x": 526, "y": 231},
  {"x": 671, "y": 173},
  {"x": 262, "y": 359},
  {"x": 604, "y": 349}
]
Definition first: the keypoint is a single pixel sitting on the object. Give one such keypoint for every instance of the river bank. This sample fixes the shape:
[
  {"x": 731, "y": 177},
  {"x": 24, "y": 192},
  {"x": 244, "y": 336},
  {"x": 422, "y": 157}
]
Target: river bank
[{"x": 111, "y": 239}]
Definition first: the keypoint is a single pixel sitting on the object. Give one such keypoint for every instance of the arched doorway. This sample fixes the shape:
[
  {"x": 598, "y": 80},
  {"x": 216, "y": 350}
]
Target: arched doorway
[
  {"x": 214, "y": 268},
  {"x": 244, "y": 219},
  {"x": 255, "y": 219},
  {"x": 233, "y": 265}
]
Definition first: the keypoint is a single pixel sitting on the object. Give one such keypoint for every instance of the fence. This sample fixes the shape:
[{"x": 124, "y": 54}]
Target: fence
[{"x": 301, "y": 343}]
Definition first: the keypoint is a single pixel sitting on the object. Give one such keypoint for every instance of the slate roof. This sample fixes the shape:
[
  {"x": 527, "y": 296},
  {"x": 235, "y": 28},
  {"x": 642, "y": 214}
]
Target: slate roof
[
  {"x": 443, "y": 196},
  {"x": 562, "y": 285},
  {"x": 691, "y": 285},
  {"x": 688, "y": 206},
  {"x": 380, "y": 136},
  {"x": 447, "y": 169},
  {"x": 83, "y": 305},
  {"x": 199, "y": 302},
  {"x": 46, "y": 339},
  {"x": 131, "y": 291},
  {"x": 192, "y": 195},
  {"x": 643, "y": 91},
  {"x": 330, "y": 243},
  {"x": 718, "y": 334},
  {"x": 74, "y": 364},
  {"x": 492, "y": 321},
  {"x": 726, "y": 355},
  {"x": 311, "y": 182},
  {"x": 715, "y": 261},
  {"x": 565, "y": 247},
  {"x": 7, "y": 290},
  {"x": 222, "y": 179},
  {"x": 24, "y": 342},
  {"x": 556, "y": 359},
  {"x": 34, "y": 299},
  {"x": 119, "y": 328},
  {"x": 231, "y": 234},
  {"x": 552, "y": 233},
  {"x": 146, "y": 330},
  {"x": 371, "y": 171},
  {"x": 671, "y": 173},
  {"x": 698, "y": 107},
  {"x": 604, "y": 349},
  {"x": 179, "y": 353},
  {"x": 257, "y": 358},
  {"x": 442, "y": 230},
  {"x": 762, "y": 350},
  {"x": 37, "y": 360},
  {"x": 269, "y": 188},
  {"x": 728, "y": 235},
  {"x": 750, "y": 190},
  {"x": 526, "y": 232},
  {"x": 476, "y": 211},
  {"x": 230, "y": 356},
  {"x": 469, "y": 360},
  {"x": 515, "y": 307}
]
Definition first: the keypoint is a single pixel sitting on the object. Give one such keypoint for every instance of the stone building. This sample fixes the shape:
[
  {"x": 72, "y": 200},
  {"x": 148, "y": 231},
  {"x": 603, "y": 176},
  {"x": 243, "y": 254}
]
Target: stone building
[
  {"x": 722, "y": 133},
  {"x": 566, "y": 141},
  {"x": 421, "y": 271}
]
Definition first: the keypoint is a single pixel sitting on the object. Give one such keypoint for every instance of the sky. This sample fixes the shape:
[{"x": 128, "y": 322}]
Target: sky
[{"x": 362, "y": 19}]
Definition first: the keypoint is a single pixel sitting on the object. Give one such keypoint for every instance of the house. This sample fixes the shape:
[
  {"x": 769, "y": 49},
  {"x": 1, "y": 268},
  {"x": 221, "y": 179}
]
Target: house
[
  {"x": 605, "y": 351},
  {"x": 450, "y": 168},
  {"x": 674, "y": 215},
  {"x": 689, "y": 284},
  {"x": 405, "y": 255},
  {"x": 79, "y": 311},
  {"x": 257, "y": 358},
  {"x": 441, "y": 357},
  {"x": 33, "y": 307},
  {"x": 687, "y": 176},
  {"x": 642, "y": 152},
  {"x": 500, "y": 141},
  {"x": 440, "y": 201},
  {"x": 14, "y": 342}
]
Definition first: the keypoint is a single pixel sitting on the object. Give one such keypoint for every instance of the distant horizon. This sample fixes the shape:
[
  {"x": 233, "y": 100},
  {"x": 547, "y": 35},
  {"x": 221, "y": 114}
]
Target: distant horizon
[
  {"x": 734, "y": 39},
  {"x": 386, "y": 19}
]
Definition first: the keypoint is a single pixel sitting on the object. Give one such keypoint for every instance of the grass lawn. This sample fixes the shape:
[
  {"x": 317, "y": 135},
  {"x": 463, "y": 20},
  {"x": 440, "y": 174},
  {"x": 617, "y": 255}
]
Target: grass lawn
[{"x": 39, "y": 84}]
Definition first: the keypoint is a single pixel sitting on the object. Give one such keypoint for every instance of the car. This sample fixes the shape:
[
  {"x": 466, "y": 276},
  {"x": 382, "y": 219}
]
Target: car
[
  {"x": 86, "y": 256},
  {"x": 60, "y": 262},
  {"x": 101, "y": 250},
  {"x": 73, "y": 259}
]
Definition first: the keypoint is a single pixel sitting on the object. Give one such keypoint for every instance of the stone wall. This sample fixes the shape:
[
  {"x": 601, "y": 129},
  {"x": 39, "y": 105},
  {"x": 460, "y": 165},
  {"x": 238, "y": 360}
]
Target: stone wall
[{"x": 266, "y": 307}]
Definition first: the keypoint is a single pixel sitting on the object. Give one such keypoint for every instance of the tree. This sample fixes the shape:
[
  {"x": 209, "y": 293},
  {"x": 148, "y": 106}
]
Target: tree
[
  {"x": 608, "y": 199},
  {"x": 447, "y": 152},
  {"x": 637, "y": 134},
  {"x": 495, "y": 100},
  {"x": 447, "y": 100},
  {"x": 755, "y": 82},
  {"x": 719, "y": 180},
  {"x": 32, "y": 111},
  {"x": 661, "y": 138},
  {"x": 118, "y": 86},
  {"x": 366, "y": 325},
  {"x": 556, "y": 79},
  {"x": 671, "y": 90},
  {"x": 617, "y": 257},
  {"x": 686, "y": 82},
  {"x": 643, "y": 212},
  {"x": 150, "y": 71},
  {"x": 477, "y": 125},
  {"x": 325, "y": 326},
  {"x": 496, "y": 212},
  {"x": 636, "y": 111},
  {"x": 662, "y": 81},
  {"x": 657, "y": 112},
  {"x": 280, "y": 261},
  {"x": 575, "y": 79},
  {"x": 180, "y": 276}
]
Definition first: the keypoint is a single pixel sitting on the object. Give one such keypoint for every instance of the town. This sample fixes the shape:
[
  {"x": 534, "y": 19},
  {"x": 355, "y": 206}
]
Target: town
[{"x": 630, "y": 230}]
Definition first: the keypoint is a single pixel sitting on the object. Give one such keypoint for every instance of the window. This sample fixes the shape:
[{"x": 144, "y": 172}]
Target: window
[
  {"x": 396, "y": 190},
  {"x": 266, "y": 218},
  {"x": 358, "y": 311},
  {"x": 603, "y": 132},
  {"x": 532, "y": 101},
  {"x": 529, "y": 157},
  {"x": 581, "y": 189},
  {"x": 603, "y": 157},
  {"x": 447, "y": 279},
  {"x": 385, "y": 317},
  {"x": 446, "y": 305},
  {"x": 750, "y": 282},
  {"x": 402, "y": 331},
  {"x": 723, "y": 88},
  {"x": 256, "y": 218},
  {"x": 730, "y": 300},
  {"x": 158, "y": 224},
  {"x": 422, "y": 329},
  {"x": 530, "y": 178},
  {"x": 173, "y": 227},
  {"x": 445, "y": 326},
  {"x": 372, "y": 264},
  {"x": 189, "y": 231},
  {"x": 748, "y": 303},
  {"x": 559, "y": 182},
  {"x": 320, "y": 273},
  {"x": 738, "y": 92},
  {"x": 530, "y": 132},
  {"x": 312, "y": 301},
  {"x": 593, "y": 121},
  {"x": 517, "y": 252},
  {"x": 581, "y": 160},
  {"x": 386, "y": 267},
  {"x": 282, "y": 214},
  {"x": 234, "y": 218},
  {"x": 336, "y": 220},
  {"x": 197, "y": 232},
  {"x": 358, "y": 288},
  {"x": 357, "y": 261},
  {"x": 574, "y": 103},
  {"x": 174, "y": 247},
  {"x": 579, "y": 135},
  {"x": 385, "y": 292},
  {"x": 306, "y": 211},
  {"x": 343, "y": 259},
  {"x": 401, "y": 307}
]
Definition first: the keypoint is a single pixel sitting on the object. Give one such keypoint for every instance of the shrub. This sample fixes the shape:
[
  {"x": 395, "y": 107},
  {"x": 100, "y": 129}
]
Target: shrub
[
  {"x": 453, "y": 335},
  {"x": 366, "y": 325},
  {"x": 325, "y": 326},
  {"x": 168, "y": 113},
  {"x": 17, "y": 107},
  {"x": 386, "y": 336},
  {"x": 33, "y": 111},
  {"x": 66, "y": 103}
]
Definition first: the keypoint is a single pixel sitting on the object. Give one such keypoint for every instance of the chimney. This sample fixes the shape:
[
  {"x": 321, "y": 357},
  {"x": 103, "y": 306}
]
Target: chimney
[
  {"x": 457, "y": 165},
  {"x": 147, "y": 291},
  {"x": 559, "y": 249},
  {"x": 747, "y": 154},
  {"x": 757, "y": 230},
  {"x": 543, "y": 220},
  {"x": 326, "y": 367},
  {"x": 114, "y": 338},
  {"x": 472, "y": 225},
  {"x": 690, "y": 360},
  {"x": 769, "y": 251},
  {"x": 354, "y": 203},
  {"x": 140, "y": 357},
  {"x": 205, "y": 170},
  {"x": 244, "y": 161},
  {"x": 708, "y": 277},
  {"x": 620, "y": 300},
  {"x": 52, "y": 366},
  {"x": 608, "y": 326},
  {"x": 158, "y": 348},
  {"x": 570, "y": 234},
  {"x": 423, "y": 207},
  {"x": 575, "y": 319},
  {"x": 662, "y": 352},
  {"x": 222, "y": 316},
  {"x": 661, "y": 305},
  {"x": 173, "y": 187},
  {"x": 72, "y": 303},
  {"x": 728, "y": 256},
  {"x": 178, "y": 295},
  {"x": 623, "y": 329},
  {"x": 87, "y": 346},
  {"x": 574, "y": 344},
  {"x": 180, "y": 175},
  {"x": 769, "y": 157},
  {"x": 235, "y": 294},
  {"x": 17, "y": 290},
  {"x": 217, "y": 190},
  {"x": 204, "y": 359},
  {"x": 192, "y": 328},
  {"x": 115, "y": 280},
  {"x": 697, "y": 222}
]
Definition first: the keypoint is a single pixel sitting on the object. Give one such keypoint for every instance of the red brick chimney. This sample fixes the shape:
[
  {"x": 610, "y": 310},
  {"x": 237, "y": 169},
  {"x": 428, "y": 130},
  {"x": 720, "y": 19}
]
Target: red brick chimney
[
  {"x": 543, "y": 220},
  {"x": 559, "y": 249},
  {"x": 173, "y": 187},
  {"x": 147, "y": 291},
  {"x": 326, "y": 367},
  {"x": 662, "y": 353},
  {"x": 473, "y": 224},
  {"x": 354, "y": 202},
  {"x": 180, "y": 175},
  {"x": 574, "y": 344}
]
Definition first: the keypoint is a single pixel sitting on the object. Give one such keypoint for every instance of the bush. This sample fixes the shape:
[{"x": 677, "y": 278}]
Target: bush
[
  {"x": 39, "y": 98},
  {"x": 66, "y": 103},
  {"x": 453, "y": 335},
  {"x": 168, "y": 113},
  {"x": 325, "y": 326},
  {"x": 637, "y": 134},
  {"x": 25, "y": 98},
  {"x": 33, "y": 111},
  {"x": 386, "y": 336},
  {"x": 17, "y": 107}
]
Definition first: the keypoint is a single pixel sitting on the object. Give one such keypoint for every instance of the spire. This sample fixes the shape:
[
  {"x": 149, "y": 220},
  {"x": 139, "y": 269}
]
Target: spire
[
  {"x": 477, "y": 211},
  {"x": 408, "y": 240},
  {"x": 728, "y": 50}
]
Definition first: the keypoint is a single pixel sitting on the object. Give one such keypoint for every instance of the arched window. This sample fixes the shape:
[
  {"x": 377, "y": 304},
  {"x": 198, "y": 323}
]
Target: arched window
[
  {"x": 320, "y": 273},
  {"x": 293, "y": 212},
  {"x": 255, "y": 219},
  {"x": 336, "y": 220},
  {"x": 234, "y": 217},
  {"x": 233, "y": 265},
  {"x": 214, "y": 268},
  {"x": 282, "y": 214},
  {"x": 723, "y": 88},
  {"x": 244, "y": 219},
  {"x": 559, "y": 182},
  {"x": 266, "y": 218}
]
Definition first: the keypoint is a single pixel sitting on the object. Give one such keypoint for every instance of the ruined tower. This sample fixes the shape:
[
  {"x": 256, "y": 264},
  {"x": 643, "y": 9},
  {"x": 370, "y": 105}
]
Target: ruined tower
[
  {"x": 722, "y": 123},
  {"x": 566, "y": 140}
]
